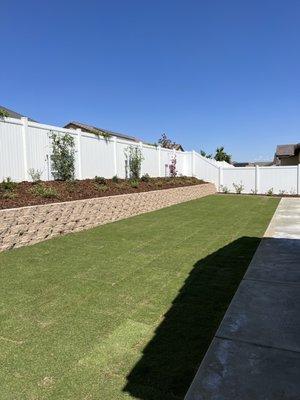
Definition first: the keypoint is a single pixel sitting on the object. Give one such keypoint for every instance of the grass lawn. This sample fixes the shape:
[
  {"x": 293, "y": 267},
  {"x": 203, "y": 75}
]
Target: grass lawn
[{"x": 125, "y": 310}]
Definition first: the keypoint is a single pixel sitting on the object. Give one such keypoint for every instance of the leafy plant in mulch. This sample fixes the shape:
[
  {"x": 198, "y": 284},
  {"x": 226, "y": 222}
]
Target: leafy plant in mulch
[
  {"x": 7, "y": 185},
  {"x": 115, "y": 179},
  {"x": 145, "y": 178},
  {"x": 7, "y": 189},
  {"x": 63, "y": 156},
  {"x": 134, "y": 183},
  {"x": 100, "y": 180},
  {"x": 44, "y": 191},
  {"x": 101, "y": 188}
]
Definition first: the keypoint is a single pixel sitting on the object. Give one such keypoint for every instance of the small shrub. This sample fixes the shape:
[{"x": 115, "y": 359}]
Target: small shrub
[
  {"x": 270, "y": 192},
  {"x": 101, "y": 188},
  {"x": 253, "y": 191},
  {"x": 134, "y": 183},
  {"x": 35, "y": 175},
  {"x": 100, "y": 180},
  {"x": 282, "y": 192},
  {"x": 145, "y": 178},
  {"x": 239, "y": 187},
  {"x": 8, "y": 185},
  {"x": 44, "y": 191},
  {"x": 63, "y": 156},
  {"x": 224, "y": 189},
  {"x": 134, "y": 160},
  {"x": 9, "y": 195},
  {"x": 115, "y": 179}
]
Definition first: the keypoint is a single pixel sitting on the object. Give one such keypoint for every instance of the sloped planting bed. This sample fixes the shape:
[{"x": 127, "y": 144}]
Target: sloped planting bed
[{"x": 13, "y": 195}]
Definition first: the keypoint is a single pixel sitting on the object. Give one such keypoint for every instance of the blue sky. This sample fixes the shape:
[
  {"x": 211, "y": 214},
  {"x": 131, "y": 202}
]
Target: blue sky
[{"x": 208, "y": 73}]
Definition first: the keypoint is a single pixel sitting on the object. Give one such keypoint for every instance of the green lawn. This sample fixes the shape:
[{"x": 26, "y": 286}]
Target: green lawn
[{"x": 126, "y": 310}]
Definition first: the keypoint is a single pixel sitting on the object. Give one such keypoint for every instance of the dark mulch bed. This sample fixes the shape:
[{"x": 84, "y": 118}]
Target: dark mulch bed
[{"x": 28, "y": 193}]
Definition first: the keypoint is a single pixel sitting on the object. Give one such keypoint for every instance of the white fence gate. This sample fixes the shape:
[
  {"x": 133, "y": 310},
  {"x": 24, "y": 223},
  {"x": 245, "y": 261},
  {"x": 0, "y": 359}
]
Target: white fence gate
[{"x": 25, "y": 144}]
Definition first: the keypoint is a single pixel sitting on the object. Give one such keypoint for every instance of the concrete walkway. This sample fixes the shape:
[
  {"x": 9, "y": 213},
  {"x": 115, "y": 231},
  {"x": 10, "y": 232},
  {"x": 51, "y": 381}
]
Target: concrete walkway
[{"x": 255, "y": 354}]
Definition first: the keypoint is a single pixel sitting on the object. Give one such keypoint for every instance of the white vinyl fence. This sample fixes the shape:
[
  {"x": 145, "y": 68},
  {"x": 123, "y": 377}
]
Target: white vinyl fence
[{"x": 25, "y": 145}]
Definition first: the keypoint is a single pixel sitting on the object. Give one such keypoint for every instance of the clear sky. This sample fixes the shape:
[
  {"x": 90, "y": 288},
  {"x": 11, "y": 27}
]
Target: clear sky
[{"x": 206, "y": 72}]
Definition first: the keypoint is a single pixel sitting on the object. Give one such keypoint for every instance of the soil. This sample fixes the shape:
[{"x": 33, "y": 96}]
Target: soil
[{"x": 28, "y": 193}]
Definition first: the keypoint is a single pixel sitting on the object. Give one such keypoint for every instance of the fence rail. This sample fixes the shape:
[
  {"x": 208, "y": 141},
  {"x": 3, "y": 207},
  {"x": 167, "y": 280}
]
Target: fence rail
[{"x": 25, "y": 145}]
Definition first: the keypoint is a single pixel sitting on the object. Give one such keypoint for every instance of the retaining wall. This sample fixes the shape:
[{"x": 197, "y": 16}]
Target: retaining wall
[{"x": 28, "y": 225}]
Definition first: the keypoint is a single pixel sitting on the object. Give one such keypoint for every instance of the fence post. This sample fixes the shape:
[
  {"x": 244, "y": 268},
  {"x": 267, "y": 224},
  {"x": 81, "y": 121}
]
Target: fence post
[
  {"x": 298, "y": 179},
  {"x": 159, "y": 160},
  {"x": 220, "y": 178},
  {"x": 141, "y": 148},
  {"x": 193, "y": 163},
  {"x": 78, "y": 130},
  {"x": 256, "y": 179},
  {"x": 24, "y": 145},
  {"x": 115, "y": 156}
]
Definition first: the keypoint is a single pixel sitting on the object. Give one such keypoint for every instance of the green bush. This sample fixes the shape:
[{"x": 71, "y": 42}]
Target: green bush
[
  {"x": 44, "y": 191},
  {"x": 115, "y": 179},
  {"x": 63, "y": 156},
  {"x": 134, "y": 183},
  {"x": 7, "y": 185},
  {"x": 145, "y": 178},
  {"x": 100, "y": 180},
  {"x": 101, "y": 188}
]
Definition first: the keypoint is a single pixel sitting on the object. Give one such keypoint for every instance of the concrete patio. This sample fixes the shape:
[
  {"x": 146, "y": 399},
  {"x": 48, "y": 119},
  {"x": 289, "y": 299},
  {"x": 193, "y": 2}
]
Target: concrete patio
[{"x": 255, "y": 354}]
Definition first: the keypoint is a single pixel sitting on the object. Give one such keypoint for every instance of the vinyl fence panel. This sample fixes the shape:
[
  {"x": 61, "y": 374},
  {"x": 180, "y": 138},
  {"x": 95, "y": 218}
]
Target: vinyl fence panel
[{"x": 25, "y": 144}]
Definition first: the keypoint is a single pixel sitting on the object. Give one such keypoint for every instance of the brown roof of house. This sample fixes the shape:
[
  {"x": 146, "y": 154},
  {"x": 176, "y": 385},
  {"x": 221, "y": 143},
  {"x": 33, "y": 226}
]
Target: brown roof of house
[
  {"x": 96, "y": 131},
  {"x": 287, "y": 150}
]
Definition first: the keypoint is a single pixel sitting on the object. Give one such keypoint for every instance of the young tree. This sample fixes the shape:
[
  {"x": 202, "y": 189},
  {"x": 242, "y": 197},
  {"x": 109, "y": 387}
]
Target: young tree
[
  {"x": 134, "y": 160},
  {"x": 221, "y": 155},
  {"x": 63, "y": 156}
]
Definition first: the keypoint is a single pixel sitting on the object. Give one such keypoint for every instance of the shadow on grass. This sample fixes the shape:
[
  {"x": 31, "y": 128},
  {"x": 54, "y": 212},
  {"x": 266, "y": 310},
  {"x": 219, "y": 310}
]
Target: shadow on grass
[{"x": 171, "y": 359}]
